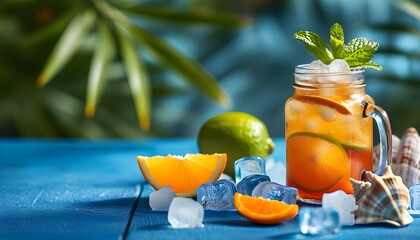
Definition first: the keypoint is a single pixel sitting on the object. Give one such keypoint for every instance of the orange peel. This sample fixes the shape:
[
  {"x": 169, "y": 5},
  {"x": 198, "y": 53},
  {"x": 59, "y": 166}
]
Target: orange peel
[{"x": 324, "y": 102}]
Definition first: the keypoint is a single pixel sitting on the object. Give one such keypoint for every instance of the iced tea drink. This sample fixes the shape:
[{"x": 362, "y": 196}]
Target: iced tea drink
[{"x": 329, "y": 132}]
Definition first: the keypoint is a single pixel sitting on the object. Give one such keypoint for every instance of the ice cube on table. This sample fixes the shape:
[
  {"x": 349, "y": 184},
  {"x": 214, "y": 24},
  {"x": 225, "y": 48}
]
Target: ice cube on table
[
  {"x": 414, "y": 192},
  {"x": 161, "y": 199},
  {"x": 248, "y": 183},
  {"x": 275, "y": 191},
  {"x": 317, "y": 220},
  {"x": 344, "y": 203},
  {"x": 225, "y": 176},
  {"x": 276, "y": 170},
  {"x": 249, "y": 165},
  {"x": 217, "y": 196},
  {"x": 185, "y": 213}
]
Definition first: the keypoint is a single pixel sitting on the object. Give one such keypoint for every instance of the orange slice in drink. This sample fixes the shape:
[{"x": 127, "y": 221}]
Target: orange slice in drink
[
  {"x": 352, "y": 146},
  {"x": 318, "y": 100},
  {"x": 315, "y": 162},
  {"x": 264, "y": 211},
  {"x": 361, "y": 158},
  {"x": 183, "y": 174}
]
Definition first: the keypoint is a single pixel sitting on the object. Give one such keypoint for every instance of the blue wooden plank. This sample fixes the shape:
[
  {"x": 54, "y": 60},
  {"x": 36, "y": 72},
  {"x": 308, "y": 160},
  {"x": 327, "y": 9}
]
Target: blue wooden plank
[
  {"x": 86, "y": 190},
  {"x": 72, "y": 189}
]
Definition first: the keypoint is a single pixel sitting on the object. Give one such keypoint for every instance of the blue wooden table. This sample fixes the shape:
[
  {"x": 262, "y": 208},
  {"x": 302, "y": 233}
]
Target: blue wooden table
[{"x": 66, "y": 189}]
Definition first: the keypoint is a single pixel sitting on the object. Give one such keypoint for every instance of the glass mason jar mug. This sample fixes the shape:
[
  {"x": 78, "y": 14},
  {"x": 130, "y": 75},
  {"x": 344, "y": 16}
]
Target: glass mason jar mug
[{"x": 329, "y": 132}]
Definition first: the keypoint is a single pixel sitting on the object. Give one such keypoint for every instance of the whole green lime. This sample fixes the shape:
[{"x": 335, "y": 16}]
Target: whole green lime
[{"x": 238, "y": 135}]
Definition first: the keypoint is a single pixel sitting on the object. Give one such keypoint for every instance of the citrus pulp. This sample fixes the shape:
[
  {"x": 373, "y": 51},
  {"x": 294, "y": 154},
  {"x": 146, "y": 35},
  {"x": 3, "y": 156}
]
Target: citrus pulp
[
  {"x": 264, "y": 211},
  {"x": 183, "y": 174},
  {"x": 316, "y": 162}
]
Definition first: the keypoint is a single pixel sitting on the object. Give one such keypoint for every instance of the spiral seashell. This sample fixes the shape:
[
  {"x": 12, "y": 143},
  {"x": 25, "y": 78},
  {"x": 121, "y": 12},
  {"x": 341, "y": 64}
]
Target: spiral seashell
[
  {"x": 405, "y": 157},
  {"x": 359, "y": 188},
  {"x": 386, "y": 200},
  {"x": 407, "y": 163}
]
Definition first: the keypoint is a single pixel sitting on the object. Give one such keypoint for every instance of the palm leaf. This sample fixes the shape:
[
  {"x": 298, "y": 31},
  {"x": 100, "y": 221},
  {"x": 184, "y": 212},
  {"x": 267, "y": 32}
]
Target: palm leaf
[
  {"x": 194, "y": 16},
  {"x": 67, "y": 45},
  {"x": 185, "y": 67},
  {"x": 189, "y": 69},
  {"x": 104, "y": 52},
  {"x": 137, "y": 77},
  {"x": 411, "y": 7}
]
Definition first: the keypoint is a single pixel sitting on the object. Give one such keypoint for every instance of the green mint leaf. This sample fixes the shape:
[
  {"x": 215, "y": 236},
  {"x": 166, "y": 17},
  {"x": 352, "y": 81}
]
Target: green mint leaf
[
  {"x": 316, "y": 45},
  {"x": 358, "y": 43},
  {"x": 360, "y": 56},
  {"x": 360, "y": 51},
  {"x": 337, "y": 41},
  {"x": 372, "y": 65}
]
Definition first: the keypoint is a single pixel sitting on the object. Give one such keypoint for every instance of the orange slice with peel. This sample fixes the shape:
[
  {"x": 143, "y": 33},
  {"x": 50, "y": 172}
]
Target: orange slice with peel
[
  {"x": 315, "y": 162},
  {"x": 183, "y": 174},
  {"x": 318, "y": 100},
  {"x": 264, "y": 211}
]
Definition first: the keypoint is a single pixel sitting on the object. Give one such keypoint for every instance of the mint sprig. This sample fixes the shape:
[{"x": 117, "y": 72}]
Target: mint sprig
[
  {"x": 358, "y": 52},
  {"x": 316, "y": 45},
  {"x": 337, "y": 41}
]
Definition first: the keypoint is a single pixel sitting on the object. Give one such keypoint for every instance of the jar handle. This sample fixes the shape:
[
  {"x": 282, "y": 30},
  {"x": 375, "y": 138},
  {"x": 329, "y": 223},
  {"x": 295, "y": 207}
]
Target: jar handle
[{"x": 385, "y": 134}]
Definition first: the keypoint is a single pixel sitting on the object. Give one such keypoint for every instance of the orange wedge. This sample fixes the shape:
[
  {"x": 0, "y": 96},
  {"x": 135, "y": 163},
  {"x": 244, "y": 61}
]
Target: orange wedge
[
  {"x": 324, "y": 102},
  {"x": 315, "y": 162},
  {"x": 264, "y": 211},
  {"x": 183, "y": 174}
]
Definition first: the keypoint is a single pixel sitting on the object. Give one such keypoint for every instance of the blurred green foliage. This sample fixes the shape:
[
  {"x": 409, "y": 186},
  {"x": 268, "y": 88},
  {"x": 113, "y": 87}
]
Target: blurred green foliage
[
  {"x": 103, "y": 42},
  {"x": 108, "y": 77}
]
